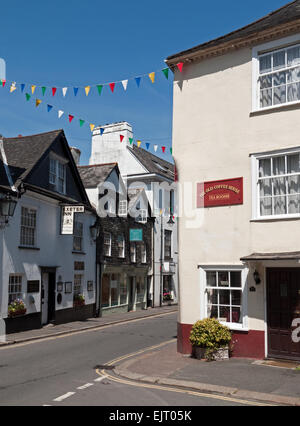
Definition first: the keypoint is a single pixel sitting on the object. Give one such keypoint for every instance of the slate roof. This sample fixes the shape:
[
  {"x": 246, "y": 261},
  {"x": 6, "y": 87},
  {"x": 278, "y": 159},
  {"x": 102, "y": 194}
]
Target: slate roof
[
  {"x": 24, "y": 152},
  {"x": 153, "y": 163},
  {"x": 92, "y": 176},
  {"x": 286, "y": 14}
]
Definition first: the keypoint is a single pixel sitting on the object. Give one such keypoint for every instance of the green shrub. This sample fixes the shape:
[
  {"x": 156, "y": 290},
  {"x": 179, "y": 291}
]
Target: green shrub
[{"x": 210, "y": 334}]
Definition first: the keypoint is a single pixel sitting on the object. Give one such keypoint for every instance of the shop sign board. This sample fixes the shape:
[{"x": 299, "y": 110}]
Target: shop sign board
[
  {"x": 67, "y": 218},
  {"x": 220, "y": 193},
  {"x": 136, "y": 235}
]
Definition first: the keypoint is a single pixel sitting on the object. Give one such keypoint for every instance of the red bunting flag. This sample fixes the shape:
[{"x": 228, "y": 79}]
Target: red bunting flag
[
  {"x": 180, "y": 66},
  {"x": 163, "y": 149},
  {"x": 53, "y": 91},
  {"x": 3, "y": 82},
  {"x": 112, "y": 86},
  {"x": 71, "y": 118},
  {"x": 121, "y": 138}
]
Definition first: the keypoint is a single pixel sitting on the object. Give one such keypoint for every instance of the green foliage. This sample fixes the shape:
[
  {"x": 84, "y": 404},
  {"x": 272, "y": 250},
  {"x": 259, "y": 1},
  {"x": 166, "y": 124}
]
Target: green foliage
[
  {"x": 17, "y": 307},
  {"x": 210, "y": 334}
]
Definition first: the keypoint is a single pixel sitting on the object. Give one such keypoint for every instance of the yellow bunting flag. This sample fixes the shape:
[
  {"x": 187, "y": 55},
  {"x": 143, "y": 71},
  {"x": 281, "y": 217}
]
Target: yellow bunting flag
[
  {"x": 13, "y": 87},
  {"x": 38, "y": 102},
  {"x": 33, "y": 89},
  {"x": 139, "y": 143},
  {"x": 92, "y": 126},
  {"x": 87, "y": 90},
  {"x": 152, "y": 76}
]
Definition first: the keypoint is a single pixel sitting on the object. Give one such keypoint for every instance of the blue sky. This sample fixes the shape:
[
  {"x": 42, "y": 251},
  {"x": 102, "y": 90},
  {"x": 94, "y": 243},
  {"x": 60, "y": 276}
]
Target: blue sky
[{"x": 76, "y": 43}]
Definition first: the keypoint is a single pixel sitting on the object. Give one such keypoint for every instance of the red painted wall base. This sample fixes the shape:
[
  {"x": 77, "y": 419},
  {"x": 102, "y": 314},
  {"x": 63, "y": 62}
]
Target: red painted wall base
[{"x": 246, "y": 344}]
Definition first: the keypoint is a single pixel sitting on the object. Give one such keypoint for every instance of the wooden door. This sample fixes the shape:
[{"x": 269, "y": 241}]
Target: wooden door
[{"x": 283, "y": 305}]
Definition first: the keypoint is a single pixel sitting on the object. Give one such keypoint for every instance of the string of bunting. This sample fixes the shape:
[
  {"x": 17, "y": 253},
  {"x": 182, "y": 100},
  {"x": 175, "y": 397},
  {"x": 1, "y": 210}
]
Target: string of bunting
[
  {"x": 87, "y": 89},
  {"x": 71, "y": 118}
]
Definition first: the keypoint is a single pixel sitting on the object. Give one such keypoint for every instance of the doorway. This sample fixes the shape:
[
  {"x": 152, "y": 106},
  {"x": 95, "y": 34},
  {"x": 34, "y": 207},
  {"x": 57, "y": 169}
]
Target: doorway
[
  {"x": 283, "y": 304},
  {"x": 48, "y": 297},
  {"x": 131, "y": 294}
]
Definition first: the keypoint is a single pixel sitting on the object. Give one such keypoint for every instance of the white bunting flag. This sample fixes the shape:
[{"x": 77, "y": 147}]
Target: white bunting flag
[
  {"x": 60, "y": 113},
  {"x": 155, "y": 148},
  {"x": 64, "y": 91},
  {"x": 125, "y": 82}
]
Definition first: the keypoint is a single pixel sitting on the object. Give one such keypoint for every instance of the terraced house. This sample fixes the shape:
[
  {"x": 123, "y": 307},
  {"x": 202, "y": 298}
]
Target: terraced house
[{"x": 236, "y": 138}]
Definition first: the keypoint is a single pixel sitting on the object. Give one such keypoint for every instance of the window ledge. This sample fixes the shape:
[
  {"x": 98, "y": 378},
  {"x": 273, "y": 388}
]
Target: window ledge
[
  {"x": 78, "y": 252},
  {"x": 29, "y": 248},
  {"x": 279, "y": 108},
  {"x": 275, "y": 219}
]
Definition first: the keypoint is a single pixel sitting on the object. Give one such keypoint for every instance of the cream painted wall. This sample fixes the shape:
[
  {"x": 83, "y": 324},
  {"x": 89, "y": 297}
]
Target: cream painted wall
[{"x": 213, "y": 136}]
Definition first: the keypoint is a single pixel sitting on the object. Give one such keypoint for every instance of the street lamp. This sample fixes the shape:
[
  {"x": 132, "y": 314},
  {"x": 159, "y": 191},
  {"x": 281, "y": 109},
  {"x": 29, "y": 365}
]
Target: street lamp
[
  {"x": 7, "y": 207},
  {"x": 95, "y": 230}
]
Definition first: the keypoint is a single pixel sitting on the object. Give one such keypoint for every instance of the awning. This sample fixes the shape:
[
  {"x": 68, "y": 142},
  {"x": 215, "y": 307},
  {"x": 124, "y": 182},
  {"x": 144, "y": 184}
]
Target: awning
[{"x": 271, "y": 256}]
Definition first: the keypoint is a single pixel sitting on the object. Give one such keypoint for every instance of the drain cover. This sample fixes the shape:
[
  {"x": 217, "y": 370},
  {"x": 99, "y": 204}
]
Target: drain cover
[{"x": 105, "y": 367}]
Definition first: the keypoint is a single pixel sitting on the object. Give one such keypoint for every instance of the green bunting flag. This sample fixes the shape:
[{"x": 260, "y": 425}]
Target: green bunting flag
[
  {"x": 28, "y": 96},
  {"x": 131, "y": 141},
  {"x": 81, "y": 122},
  {"x": 100, "y": 87},
  {"x": 43, "y": 90},
  {"x": 171, "y": 151},
  {"x": 166, "y": 72}
]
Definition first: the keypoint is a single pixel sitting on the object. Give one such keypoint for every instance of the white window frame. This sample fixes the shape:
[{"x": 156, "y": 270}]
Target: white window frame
[
  {"x": 255, "y": 183},
  {"x": 121, "y": 239},
  {"x": 106, "y": 234},
  {"x": 78, "y": 236},
  {"x": 33, "y": 209},
  {"x": 258, "y": 51},
  {"x": 123, "y": 208},
  {"x": 142, "y": 216},
  {"x": 133, "y": 253},
  {"x": 17, "y": 294},
  {"x": 54, "y": 177},
  {"x": 143, "y": 253},
  {"x": 76, "y": 280},
  {"x": 204, "y": 295}
]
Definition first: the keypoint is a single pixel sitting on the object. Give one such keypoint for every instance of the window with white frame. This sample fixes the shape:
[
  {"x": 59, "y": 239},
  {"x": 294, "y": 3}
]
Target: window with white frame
[
  {"x": 14, "y": 288},
  {"x": 107, "y": 244},
  {"x": 121, "y": 246},
  {"x": 133, "y": 252},
  {"x": 224, "y": 292},
  {"x": 143, "y": 253},
  {"x": 279, "y": 77},
  {"x": 278, "y": 184},
  {"x": 57, "y": 175},
  {"x": 168, "y": 244},
  {"x": 142, "y": 216},
  {"x": 123, "y": 208},
  {"x": 78, "y": 236},
  {"x": 78, "y": 279},
  {"x": 28, "y": 227}
]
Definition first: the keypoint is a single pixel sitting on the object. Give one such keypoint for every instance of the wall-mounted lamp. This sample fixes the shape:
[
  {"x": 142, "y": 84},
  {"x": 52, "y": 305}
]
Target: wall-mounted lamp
[
  {"x": 95, "y": 230},
  {"x": 7, "y": 207},
  {"x": 256, "y": 277}
]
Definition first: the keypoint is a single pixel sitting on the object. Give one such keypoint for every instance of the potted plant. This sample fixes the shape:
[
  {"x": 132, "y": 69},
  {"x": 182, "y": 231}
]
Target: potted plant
[
  {"x": 79, "y": 300},
  {"x": 210, "y": 340},
  {"x": 167, "y": 296},
  {"x": 16, "y": 308}
]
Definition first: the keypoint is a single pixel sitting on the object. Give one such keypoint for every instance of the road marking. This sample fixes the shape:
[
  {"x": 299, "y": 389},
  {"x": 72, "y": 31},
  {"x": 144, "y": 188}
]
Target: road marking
[
  {"x": 87, "y": 385},
  {"x": 88, "y": 330},
  {"x": 63, "y": 397},
  {"x": 100, "y": 379}
]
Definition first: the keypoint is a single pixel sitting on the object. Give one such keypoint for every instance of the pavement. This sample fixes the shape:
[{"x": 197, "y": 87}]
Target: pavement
[
  {"x": 278, "y": 382},
  {"x": 89, "y": 324}
]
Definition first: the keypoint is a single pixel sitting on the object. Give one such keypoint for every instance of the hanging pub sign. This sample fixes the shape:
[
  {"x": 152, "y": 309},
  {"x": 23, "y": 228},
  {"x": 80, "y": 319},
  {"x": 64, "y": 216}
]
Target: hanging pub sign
[
  {"x": 220, "y": 193},
  {"x": 67, "y": 218}
]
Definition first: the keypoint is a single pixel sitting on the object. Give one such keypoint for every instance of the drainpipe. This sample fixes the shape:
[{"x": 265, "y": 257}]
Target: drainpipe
[{"x": 161, "y": 259}]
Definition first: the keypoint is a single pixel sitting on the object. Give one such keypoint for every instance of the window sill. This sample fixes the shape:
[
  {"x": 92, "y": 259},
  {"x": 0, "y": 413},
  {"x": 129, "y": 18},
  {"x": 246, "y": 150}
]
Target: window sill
[
  {"x": 29, "y": 248},
  {"x": 78, "y": 252},
  {"x": 276, "y": 218},
  {"x": 275, "y": 108}
]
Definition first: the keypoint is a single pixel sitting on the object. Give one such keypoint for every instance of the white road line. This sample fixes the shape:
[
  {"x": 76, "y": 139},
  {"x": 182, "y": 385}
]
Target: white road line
[
  {"x": 88, "y": 385},
  {"x": 100, "y": 378},
  {"x": 61, "y": 398}
]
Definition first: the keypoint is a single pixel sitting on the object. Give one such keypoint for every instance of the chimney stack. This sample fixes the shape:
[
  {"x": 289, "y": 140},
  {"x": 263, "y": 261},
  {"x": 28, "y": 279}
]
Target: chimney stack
[{"x": 76, "y": 154}]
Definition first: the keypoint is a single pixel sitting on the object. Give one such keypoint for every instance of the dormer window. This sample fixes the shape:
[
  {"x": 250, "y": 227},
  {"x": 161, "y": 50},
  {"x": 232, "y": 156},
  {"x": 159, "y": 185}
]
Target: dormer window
[
  {"x": 57, "y": 175},
  {"x": 142, "y": 216}
]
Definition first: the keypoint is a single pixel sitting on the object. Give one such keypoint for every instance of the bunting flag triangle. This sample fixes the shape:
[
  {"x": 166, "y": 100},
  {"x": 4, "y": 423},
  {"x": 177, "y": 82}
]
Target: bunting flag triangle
[
  {"x": 138, "y": 81},
  {"x": 100, "y": 87},
  {"x": 112, "y": 86},
  {"x": 49, "y": 107},
  {"x": 163, "y": 149},
  {"x": 139, "y": 143},
  {"x": 130, "y": 141},
  {"x": 60, "y": 113},
  {"x": 37, "y": 102},
  {"x": 171, "y": 151},
  {"x": 92, "y": 126},
  {"x": 125, "y": 83},
  {"x": 53, "y": 91},
  {"x": 75, "y": 90},
  {"x": 155, "y": 147},
  {"x": 81, "y": 122},
  {"x": 43, "y": 90},
  {"x": 28, "y": 97},
  {"x": 71, "y": 118},
  {"x": 121, "y": 138},
  {"x": 13, "y": 87},
  {"x": 64, "y": 91},
  {"x": 101, "y": 131},
  {"x": 33, "y": 89},
  {"x": 166, "y": 72},
  {"x": 22, "y": 87},
  {"x": 152, "y": 76},
  {"x": 87, "y": 90},
  {"x": 3, "y": 82},
  {"x": 148, "y": 145},
  {"x": 180, "y": 66}
]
